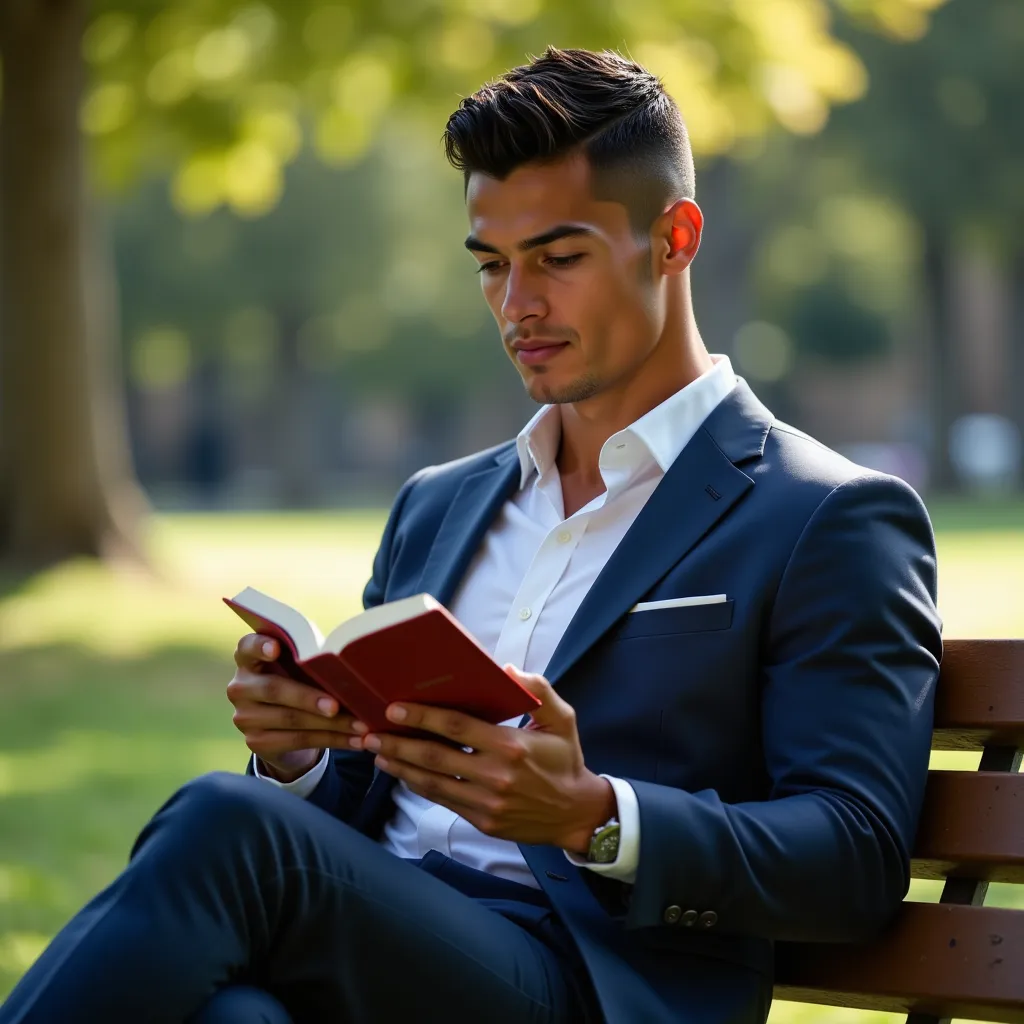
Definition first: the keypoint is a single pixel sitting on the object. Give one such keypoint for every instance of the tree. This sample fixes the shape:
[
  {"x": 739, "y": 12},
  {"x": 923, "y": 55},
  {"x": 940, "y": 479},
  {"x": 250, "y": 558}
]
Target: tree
[
  {"x": 221, "y": 90},
  {"x": 939, "y": 131},
  {"x": 65, "y": 484}
]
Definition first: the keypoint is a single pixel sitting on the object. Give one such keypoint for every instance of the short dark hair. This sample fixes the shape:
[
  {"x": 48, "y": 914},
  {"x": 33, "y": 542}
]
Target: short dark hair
[{"x": 613, "y": 110}]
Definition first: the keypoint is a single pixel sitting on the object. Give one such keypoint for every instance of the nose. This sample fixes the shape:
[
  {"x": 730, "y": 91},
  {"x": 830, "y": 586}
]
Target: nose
[{"x": 523, "y": 298}]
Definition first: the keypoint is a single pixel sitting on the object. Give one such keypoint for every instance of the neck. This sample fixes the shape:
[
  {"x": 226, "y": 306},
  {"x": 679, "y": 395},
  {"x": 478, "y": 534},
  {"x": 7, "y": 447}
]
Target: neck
[{"x": 678, "y": 359}]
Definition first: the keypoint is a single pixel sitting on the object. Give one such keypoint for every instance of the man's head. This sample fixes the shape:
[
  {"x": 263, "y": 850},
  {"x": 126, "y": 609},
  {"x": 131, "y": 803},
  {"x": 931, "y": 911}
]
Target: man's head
[{"x": 579, "y": 185}]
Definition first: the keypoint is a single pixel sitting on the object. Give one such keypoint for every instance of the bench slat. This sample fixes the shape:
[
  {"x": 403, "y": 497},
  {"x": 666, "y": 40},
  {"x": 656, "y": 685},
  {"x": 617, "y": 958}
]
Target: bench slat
[
  {"x": 942, "y": 959},
  {"x": 980, "y": 698},
  {"x": 972, "y": 825}
]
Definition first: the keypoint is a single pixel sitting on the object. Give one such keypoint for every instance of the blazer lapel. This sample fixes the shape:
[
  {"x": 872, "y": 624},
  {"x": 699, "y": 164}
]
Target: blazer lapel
[
  {"x": 700, "y": 487},
  {"x": 476, "y": 503},
  {"x": 474, "y": 508}
]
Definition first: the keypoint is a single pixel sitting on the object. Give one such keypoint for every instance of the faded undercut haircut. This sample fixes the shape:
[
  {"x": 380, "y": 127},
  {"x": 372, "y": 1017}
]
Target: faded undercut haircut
[{"x": 614, "y": 111}]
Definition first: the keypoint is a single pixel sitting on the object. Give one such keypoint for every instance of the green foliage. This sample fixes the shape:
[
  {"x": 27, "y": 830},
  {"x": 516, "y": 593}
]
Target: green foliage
[
  {"x": 836, "y": 259},
  {"x": 827, "y": 323},
  {"x": 397, "y": 310},
  {"x": 360, "y": 271},
  {"x": 934, "y": 146},
  {"x": 941, "y": 124},
  {"x": 224, "y": 90}
]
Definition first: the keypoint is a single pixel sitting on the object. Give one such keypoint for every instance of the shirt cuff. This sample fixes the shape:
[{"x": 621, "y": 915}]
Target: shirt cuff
[
  {"x": 624, "y": 867},
  {"x": 304, "y": 784}
]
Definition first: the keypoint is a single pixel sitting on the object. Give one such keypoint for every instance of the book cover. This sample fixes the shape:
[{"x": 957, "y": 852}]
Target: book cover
[{"x": 410, "y": 650}]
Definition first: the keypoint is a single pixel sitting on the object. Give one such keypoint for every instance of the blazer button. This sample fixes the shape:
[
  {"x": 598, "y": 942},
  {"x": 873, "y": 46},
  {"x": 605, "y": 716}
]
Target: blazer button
[
  {"x": 708, "y": 919},
  {"x": 689, "y": 919},
  {"x": 672, "y": 914}
]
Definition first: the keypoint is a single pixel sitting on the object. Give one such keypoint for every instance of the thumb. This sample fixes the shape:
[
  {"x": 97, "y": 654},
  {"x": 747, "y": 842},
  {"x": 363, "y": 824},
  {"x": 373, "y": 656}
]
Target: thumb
[{"x": 553, "y": 713}]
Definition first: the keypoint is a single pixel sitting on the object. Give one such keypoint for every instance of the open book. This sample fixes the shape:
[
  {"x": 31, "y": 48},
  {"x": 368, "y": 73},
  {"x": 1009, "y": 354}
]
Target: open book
[{"x": 409, "y": 650}]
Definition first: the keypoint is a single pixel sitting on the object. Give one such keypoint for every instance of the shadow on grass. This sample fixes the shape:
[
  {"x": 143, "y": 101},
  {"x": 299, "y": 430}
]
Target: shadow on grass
[
  {"x": 90, "y": 747},
  {"x": 13, "y": 581}
]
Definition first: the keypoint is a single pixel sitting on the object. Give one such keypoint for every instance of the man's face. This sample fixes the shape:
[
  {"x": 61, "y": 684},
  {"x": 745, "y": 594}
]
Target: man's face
[{"x": 563, "y": 271}]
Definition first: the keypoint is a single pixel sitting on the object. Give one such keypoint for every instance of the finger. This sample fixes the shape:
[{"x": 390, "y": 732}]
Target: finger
[
  {"x": 255, "y": 649},
  {"x": 553, "y": 713},
  {"x": 435, "y": 757},
  {"x": 455, "y": 794},
  {"x": 250, "y": 717},
  {"x": 279, "y": 690},
  {"x": 454, "y": 725},
  {"x": 272, "y": 743}
]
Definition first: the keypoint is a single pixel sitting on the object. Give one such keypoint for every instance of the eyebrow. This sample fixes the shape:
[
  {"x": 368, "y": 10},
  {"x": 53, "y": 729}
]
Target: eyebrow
[{"x": 555, "y": 234}]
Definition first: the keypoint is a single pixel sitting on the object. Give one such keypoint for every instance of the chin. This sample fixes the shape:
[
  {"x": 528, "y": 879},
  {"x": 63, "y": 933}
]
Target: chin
[{"x": 546, "y": 389}]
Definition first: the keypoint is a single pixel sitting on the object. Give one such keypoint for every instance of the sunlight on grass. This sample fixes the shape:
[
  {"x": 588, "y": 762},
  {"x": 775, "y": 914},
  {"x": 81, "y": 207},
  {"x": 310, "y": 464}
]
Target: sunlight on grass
[
  {"x": 21, "y": 883},
  {"x": 981, "y": 580},
  {"x": 801, "y": 1013},
  {"x": 20, "y": 950},
  {"x": 79, "y": 757},
  {"x": 318, "y": 562}
]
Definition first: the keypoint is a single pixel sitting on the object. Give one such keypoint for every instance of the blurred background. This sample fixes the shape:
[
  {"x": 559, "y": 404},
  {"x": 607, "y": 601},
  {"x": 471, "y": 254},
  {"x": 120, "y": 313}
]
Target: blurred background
[{"x": 236, "y": 312}]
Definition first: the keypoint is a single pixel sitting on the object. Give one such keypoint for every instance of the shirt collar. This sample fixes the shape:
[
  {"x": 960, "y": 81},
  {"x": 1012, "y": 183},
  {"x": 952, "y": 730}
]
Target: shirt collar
[
  {"x": 664, "y": 431},
  {"x": 537, "y": 443}
]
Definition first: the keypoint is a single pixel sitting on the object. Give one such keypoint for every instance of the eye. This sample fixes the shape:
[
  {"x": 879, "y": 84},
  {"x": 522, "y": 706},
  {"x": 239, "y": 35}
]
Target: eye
[
  {"x": 489, "y": 268},
  {"x": 565, "y": 261}
]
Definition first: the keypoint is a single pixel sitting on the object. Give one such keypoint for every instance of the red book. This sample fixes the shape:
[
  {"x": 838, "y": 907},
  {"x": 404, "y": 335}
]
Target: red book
[{"x": 411, "y": 650}]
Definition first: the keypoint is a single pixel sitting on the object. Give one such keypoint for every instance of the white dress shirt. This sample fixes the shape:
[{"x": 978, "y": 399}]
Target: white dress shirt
[{"x": 523, "y": 587}]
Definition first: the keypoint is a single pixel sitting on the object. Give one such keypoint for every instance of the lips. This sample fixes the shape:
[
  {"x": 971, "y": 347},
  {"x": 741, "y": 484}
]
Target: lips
[
  {"x": 535, "y": 343},
  {"x": 537, "y": 350}
]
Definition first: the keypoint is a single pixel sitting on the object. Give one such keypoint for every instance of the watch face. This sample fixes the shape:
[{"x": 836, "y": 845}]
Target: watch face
[{"x": 604, "y": 847}]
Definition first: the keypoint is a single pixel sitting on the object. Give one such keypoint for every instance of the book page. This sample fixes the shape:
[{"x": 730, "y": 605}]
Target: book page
[
  {"x": 381, "y": 617},
  {"x": 304, "y": 633}
]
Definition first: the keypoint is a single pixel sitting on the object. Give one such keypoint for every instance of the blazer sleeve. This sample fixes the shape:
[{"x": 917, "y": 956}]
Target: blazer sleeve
[
  {"x": 349, "y": 773},
  {"x": 850, "y": 661}
]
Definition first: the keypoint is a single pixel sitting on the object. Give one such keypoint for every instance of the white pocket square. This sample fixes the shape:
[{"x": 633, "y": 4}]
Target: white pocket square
[{"x": 678, "y": 602}]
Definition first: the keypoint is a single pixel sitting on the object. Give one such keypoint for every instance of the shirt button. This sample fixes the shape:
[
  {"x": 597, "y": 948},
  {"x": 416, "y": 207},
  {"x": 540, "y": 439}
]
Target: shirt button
[
  {"x": 689, "y": 919},
  {"x": 708, "y": 919},
  {"x": 525, "y": 613},
  {"x": 564, "y": 536},
  {"x": 672, "y": 914}
]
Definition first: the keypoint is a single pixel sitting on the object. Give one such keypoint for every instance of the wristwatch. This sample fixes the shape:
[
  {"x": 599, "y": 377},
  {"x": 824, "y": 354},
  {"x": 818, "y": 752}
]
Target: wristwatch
[{"x": 604, "y": 843}]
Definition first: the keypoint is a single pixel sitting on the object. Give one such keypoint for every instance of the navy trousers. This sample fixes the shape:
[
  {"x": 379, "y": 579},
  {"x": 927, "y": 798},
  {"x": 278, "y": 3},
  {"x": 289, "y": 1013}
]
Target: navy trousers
[{"x": 243, "y": 904}]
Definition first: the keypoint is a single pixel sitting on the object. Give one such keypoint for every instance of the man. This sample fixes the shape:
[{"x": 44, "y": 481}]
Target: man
[{"x": 732, "y": 631}]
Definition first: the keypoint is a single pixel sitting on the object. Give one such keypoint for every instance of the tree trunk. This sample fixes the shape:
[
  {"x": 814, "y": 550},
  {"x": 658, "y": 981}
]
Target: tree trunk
[
  {"x": 945, "y": 392},
  {"x": 1016, "y": 344},
  {"x": 66, "y": 483},
  {"x": 295, "y": 453}
]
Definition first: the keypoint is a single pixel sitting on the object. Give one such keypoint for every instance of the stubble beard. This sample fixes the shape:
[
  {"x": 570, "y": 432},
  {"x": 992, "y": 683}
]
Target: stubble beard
[{"x": 578, "y": 390}]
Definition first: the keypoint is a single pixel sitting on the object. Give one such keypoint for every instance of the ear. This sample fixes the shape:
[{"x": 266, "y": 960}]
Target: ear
[{"x": 677, "y": 235}]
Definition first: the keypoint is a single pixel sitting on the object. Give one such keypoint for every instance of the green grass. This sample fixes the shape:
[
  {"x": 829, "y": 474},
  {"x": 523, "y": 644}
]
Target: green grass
[{"x": 112, "y": 687}]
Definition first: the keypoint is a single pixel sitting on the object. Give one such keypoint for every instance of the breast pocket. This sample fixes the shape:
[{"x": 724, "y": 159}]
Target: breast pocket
[{"x": 666, "y": 621}]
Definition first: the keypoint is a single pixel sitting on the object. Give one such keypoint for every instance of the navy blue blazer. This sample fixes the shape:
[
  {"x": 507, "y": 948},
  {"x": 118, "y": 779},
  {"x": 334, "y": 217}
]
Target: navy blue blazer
[{"x": 778, "y": 743}]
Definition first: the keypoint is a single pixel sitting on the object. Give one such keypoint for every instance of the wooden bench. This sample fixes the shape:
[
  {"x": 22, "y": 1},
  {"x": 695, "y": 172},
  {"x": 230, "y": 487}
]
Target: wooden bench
[{"x": 955, "y": 958}]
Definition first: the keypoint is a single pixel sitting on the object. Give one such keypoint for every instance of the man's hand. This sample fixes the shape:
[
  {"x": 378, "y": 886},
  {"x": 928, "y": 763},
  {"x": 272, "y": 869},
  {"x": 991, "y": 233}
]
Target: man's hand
[
  {"x": 286, "y": 724},
  {"x": 527, "y": 785}
]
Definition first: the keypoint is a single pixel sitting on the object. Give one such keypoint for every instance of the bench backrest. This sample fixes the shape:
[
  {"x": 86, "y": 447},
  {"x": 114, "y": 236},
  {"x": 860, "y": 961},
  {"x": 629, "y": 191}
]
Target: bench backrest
[{"x": 955, "y": 958}]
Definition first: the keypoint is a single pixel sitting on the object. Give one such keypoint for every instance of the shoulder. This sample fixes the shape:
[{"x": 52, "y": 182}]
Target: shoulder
[
  {"x": 800, "y": 461},
  {"x": 842, "y": 517},
  {"x": 458, "y": 469},
  {"x": 446, "y": 478},
  {"x": 430, "y": 490},
  {"x": 801, "y": 471},
  {"x": 828, "y": 507},
  {"x": 425, "y": 498}
]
